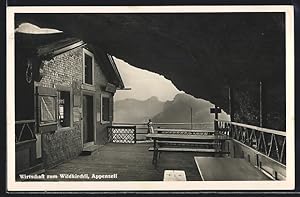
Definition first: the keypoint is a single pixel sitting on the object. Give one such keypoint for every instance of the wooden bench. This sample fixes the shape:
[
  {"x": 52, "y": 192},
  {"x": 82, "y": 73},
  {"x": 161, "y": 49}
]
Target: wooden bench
[
  {"x": 214, "y": 145},
  {"x": 168, "y": 142},
  {"x": 181, "y": 146},
  {"x": 183, "y": 149}
]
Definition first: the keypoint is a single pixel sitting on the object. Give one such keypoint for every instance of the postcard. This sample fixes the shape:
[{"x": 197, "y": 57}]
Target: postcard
[{"x": 150, "y": 98}]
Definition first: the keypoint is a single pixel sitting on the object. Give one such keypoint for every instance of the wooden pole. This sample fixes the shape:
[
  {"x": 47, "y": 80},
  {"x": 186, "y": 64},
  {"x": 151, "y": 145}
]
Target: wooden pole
[
  {"x": 191, "y": 118},
  {"x": 134, "y": 133},
  {"x": 231, "y": 100},
  {"x": 216, "y": 118},
  {"x": 260, "y": 105},
  {"x": 229, "y": 103}
]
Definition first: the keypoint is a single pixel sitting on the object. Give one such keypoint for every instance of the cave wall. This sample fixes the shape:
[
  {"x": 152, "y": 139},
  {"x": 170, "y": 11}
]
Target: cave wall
[
  {"x": 246, "y": 105},
  {"x": 202, "y": 54}
]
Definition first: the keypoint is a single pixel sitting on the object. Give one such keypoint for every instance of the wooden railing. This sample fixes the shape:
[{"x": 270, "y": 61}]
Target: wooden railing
[
  {"x": 269, "y": 142},
  {"x": 142, "y": 128},
  {"x": 24, "y": 130}
]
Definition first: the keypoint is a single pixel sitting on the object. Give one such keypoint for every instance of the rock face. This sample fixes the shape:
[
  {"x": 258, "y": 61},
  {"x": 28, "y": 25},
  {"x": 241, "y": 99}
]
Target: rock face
[{"x": 203, "y": 54}]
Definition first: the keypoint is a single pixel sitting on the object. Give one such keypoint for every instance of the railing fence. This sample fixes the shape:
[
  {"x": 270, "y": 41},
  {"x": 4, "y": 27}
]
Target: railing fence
[
  {"x": 269, "y": 142},
  {"x": 122, "y": 134},
  {"x": 124, "y": 130}
]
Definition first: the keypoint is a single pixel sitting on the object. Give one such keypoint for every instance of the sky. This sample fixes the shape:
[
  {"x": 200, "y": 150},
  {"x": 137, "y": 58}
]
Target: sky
[{"x": 144, "y": 84}]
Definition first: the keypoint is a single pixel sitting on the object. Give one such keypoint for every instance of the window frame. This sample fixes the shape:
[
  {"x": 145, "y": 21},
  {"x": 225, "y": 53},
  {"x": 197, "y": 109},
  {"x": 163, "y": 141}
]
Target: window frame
[
  {"x": 70, "y": 109},
  {"x": 101, "y": 107},
  {"x": 87, "y": 52}
]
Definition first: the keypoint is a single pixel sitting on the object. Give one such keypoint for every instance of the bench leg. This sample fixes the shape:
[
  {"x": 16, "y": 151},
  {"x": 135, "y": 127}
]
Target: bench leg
[
  {"x": 155, "y": 151},
  {"x": 153, "y": 159},
  {"x": 155, "y": 162},
  {"x": 155, "y": 155}
]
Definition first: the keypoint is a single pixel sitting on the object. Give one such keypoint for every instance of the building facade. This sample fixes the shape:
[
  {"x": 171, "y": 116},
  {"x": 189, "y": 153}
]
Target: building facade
[{"x": 67, "y": 88}]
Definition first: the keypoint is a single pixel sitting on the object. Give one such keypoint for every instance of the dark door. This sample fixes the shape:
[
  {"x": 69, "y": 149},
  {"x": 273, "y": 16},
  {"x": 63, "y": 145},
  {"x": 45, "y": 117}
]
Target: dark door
[{"x": 88, "y": 123}]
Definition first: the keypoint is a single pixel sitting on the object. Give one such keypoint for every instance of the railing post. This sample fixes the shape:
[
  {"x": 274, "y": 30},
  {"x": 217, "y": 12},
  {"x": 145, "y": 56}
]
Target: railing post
[
  {"x": 215, "y": 125},
  {"x": 109, "y": 130},
  {"x": 134, "y": 131},
  {"x": 260, "y": 105}
]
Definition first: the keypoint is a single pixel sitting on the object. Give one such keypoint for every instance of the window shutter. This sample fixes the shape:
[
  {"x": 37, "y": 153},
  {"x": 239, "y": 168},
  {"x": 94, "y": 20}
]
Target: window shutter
[{"x": 46, "y": 101}]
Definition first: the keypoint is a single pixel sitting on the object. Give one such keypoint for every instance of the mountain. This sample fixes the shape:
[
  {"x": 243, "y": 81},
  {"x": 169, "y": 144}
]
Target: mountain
[
  {"x": 137, "y": 111},
  {"x": 176, "y": 111},
  {"x": 181, "y": 108}
]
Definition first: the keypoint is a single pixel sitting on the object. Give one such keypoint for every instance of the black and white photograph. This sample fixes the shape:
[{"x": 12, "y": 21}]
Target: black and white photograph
[{"x": 150, "y": 98}]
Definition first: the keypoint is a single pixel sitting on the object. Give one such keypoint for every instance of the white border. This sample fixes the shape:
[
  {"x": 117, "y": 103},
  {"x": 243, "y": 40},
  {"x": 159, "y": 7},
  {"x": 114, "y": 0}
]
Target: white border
[{"x": 158, "y": 185}]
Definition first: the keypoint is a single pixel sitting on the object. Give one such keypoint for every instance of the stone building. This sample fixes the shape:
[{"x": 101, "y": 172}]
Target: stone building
[{"x": 64, "y": 91}]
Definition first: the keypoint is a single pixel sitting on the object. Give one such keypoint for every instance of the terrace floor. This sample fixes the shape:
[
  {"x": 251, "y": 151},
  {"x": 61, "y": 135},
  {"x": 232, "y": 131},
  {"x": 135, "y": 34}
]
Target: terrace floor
[{"x": 131, "y": 162}]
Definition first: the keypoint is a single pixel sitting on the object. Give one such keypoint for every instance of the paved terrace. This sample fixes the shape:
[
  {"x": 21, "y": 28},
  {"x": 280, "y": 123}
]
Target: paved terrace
[{"x": 132, "y": 162}]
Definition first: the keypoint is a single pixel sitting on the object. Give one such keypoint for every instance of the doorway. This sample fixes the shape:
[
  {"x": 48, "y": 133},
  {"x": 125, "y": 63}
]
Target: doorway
[{"x": 88, "y": 120}]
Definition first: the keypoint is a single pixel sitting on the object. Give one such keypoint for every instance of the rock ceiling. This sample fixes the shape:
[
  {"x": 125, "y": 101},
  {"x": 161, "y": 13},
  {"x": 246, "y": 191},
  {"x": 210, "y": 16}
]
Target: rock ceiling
[{"x": 202, "y": 54}]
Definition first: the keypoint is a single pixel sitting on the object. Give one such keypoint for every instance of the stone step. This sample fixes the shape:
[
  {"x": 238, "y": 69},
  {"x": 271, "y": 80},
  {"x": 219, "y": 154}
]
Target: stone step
[{"x": 89, "y": 150}]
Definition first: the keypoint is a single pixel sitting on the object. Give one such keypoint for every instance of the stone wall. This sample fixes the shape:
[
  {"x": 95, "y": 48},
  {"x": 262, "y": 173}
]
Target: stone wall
[
  {"x": 100, "y": 84},
  {"x": 61, "y": 145},
  {"x": 64, "y": 70}
]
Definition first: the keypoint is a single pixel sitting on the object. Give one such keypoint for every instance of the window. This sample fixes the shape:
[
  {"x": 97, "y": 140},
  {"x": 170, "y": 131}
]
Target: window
[
  {"x": 106, "y": 109},
  {"x": 64, "y": 108},
  {"x": 88, "y": 70}
]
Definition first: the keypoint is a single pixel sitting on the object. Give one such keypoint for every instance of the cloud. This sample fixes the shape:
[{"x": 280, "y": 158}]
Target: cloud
[{"x": 33, "y": 29}]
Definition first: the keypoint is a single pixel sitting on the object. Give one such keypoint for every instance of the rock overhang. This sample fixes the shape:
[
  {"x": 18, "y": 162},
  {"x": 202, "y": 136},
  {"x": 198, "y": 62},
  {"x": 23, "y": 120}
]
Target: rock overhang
[{"x": 202, "y": 54}]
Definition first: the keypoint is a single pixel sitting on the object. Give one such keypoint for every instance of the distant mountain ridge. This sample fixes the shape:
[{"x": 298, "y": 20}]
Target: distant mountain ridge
[
  {"x": 184, "y": 107},
  {"x": 137, "y": 111},
  {"x": 180, "y": 109}
]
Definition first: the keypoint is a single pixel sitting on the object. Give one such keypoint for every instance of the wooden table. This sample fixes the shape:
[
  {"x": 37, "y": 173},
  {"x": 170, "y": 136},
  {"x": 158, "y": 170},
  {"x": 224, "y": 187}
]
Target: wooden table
[
  {"x": 227, "y": 169},
  {"x": 183, "y": 138},
  {"x": 188, "y": 131}
]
